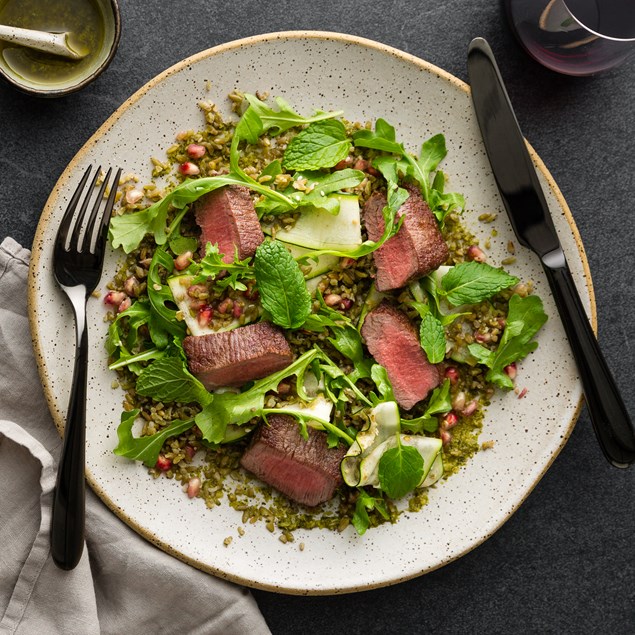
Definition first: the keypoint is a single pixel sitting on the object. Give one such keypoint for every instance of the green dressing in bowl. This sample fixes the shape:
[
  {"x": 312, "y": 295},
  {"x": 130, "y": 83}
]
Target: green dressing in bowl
[{"x": 84, "y": 19}]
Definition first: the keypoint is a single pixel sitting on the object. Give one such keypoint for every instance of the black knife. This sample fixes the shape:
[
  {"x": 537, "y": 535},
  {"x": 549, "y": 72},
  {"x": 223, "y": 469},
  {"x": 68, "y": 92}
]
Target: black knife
[{"x": 529, "y": 215}]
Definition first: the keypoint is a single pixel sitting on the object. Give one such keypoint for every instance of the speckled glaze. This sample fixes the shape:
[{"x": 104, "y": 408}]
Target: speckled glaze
[{"x": 367, "y": 80}]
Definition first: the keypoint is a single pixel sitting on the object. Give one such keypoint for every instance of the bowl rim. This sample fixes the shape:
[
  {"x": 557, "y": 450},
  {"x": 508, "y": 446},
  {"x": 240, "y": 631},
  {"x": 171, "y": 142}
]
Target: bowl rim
[{"x": 59, "y": 92}]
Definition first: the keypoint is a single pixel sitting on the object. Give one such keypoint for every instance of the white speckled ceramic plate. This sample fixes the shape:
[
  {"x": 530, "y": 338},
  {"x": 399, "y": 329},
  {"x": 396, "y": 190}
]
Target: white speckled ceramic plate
[{"x": 367, "y": 80}]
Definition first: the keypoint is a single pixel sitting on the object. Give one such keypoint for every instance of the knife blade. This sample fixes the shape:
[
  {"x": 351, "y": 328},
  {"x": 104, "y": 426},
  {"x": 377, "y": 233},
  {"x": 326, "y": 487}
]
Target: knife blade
[{"x": 531, "y": 220}]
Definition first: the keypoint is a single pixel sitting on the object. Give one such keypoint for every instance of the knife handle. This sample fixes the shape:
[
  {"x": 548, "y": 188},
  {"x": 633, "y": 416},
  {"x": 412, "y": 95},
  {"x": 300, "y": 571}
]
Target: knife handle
[{"x": 611, "y": 422}]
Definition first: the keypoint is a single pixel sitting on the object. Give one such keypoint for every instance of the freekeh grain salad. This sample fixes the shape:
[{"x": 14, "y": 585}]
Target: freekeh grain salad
[{"x": 302, "y": 325}]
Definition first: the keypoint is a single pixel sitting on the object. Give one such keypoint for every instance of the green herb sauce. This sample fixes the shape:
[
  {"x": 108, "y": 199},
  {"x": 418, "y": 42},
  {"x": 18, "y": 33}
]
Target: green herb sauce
[{"x": 82, "y": 18}]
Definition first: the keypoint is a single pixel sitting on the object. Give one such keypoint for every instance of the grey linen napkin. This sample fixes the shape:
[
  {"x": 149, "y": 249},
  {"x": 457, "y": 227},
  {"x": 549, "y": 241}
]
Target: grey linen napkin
[{"x": 122, "y": 583}]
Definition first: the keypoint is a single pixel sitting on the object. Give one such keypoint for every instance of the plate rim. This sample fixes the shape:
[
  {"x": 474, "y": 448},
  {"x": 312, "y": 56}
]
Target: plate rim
[{"x": 66, "y": 175}]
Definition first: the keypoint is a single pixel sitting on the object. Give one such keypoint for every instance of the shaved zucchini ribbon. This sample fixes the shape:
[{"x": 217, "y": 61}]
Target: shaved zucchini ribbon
[{"x": 360, "y": 466}]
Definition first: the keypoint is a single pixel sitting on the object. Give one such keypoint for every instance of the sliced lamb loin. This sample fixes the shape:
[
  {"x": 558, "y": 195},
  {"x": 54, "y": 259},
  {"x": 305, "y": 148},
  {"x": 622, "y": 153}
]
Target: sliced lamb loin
[
  {"x": 232, "y": 358},
  {"x": 227, "y": 217},
  {"x": 414, "y": 251},
  {"x": 306, "y": 471},
  {"x": 393, "y": 342}
]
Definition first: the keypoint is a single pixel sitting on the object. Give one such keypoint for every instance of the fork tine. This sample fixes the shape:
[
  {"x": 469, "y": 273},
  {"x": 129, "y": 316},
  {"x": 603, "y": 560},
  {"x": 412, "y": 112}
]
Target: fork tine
[
  {"x": 65, "y": 225},
  {"x": 105, "y": 218},
  {"x": 90, "y": 223},
  {"x": 74, "y": 243}
]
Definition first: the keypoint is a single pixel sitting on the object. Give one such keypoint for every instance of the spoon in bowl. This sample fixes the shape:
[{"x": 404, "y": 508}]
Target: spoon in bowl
[{"x": 56, "y": 43}]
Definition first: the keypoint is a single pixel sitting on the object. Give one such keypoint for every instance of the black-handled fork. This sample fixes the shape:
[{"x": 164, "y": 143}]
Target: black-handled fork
[{"x": 78, "y": 258}]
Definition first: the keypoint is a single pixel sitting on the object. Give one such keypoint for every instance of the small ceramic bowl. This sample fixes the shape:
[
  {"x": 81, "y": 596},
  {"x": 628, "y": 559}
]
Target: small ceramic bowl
[{"x": 112, "y": 32}]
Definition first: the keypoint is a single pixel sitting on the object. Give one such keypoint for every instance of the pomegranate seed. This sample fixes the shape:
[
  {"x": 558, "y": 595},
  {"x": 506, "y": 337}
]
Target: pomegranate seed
[
  {"x": 449, "y": 421},
  {"x": 196, "y": 150},
  {"x": 470, "y": 409},
  {"x": 458, "y": 403},
  {"x": 190, "y": 451},
  {"x": 133, "y": 196},
  {"x": 501, "y": 322},
  {"x": 205, "y": 315},
  {"x": 476, "y": 254},
  {"x": 511, "y": 371},
  {"x": 237, "y": 311},
  {"x": 483, "y": 337},
  {"x": 114, "y": 298},
  {"x": 163, "y": 463},
  {"x": 452, "y": 374},
  {"x": 189, "y": 169},
  {"x": 124, "y": 305},
  {"x": 446, "y": 437},
  {"x": 194, "y": 487},
  {"x": 252, "y": 293},
  {"x": 346, "y": 262},
  {"x": 522, "y": 393},
  {"x": 226, "y": 306},
  {"x": 131, "y": 286},
  {"x": 182, "y": 261},
  {"x": 346, "y": 304},
  {"x": 332, "y": 299}
]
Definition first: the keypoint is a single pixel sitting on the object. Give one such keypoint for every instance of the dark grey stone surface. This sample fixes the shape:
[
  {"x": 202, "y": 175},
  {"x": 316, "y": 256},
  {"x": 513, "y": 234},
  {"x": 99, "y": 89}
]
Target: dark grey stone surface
[{"x": 566, "y": 561}]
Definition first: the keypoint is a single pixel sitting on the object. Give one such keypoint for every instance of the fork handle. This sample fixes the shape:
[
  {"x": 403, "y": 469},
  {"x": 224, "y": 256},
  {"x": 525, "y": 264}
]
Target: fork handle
[
  {"x": 67, "y": 525},
  {"x": 612, "y": 425}
]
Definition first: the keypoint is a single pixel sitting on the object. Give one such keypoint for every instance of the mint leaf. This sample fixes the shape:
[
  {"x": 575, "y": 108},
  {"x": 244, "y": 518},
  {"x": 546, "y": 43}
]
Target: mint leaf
[
  {"x": 321, "y": 145},
  {"x": 473, "y": 282},
  {"x": 281, "y": 284},
  {"x": 432, "y": 337},
  {"x": 168, "y": 379},
  {"x": 400, "y": 471},
  {"x": 525, "y": 318},
  {"x": 145, "y": 449}
]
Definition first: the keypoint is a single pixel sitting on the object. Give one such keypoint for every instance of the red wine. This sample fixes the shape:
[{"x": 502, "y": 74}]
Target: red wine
[{"x": 576, "y": 37}]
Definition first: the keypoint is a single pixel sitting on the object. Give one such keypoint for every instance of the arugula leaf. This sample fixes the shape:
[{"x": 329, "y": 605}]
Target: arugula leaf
[
  {"x": 238, "y": 409},
  {"x": 439, "y": 403},
  {"x": 168, "y": 379},
  {"x": 400, "y": 470},
  {"x": 163, "y": 319},
  {"x": 365, "y": 503},
  {"x": 212, "y": 264},
  {"x": 281, "y": 284},
  {"x": 433, "y": 151},
  {"x": 525, "y": 318},
  {"x": 473, "y": 282},
  {"x": 383, "y": 138},
  {"x": 260, "y": 118},
  {"x": 145, "y": 449},
  {"x": 431, "y": 335},
  {"x": 323, "y": 144},
  {"x": 380, "y": 376}
]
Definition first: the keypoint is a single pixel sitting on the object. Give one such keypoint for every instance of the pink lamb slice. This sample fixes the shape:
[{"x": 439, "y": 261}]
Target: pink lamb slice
[
  {"x": 306, "y": 471},
  {"x": 232, "y": 358},
  {"x": 227, "y": 217},
  {"x": 418, "y": 247},
  {"x": 393, "y": 342}
]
